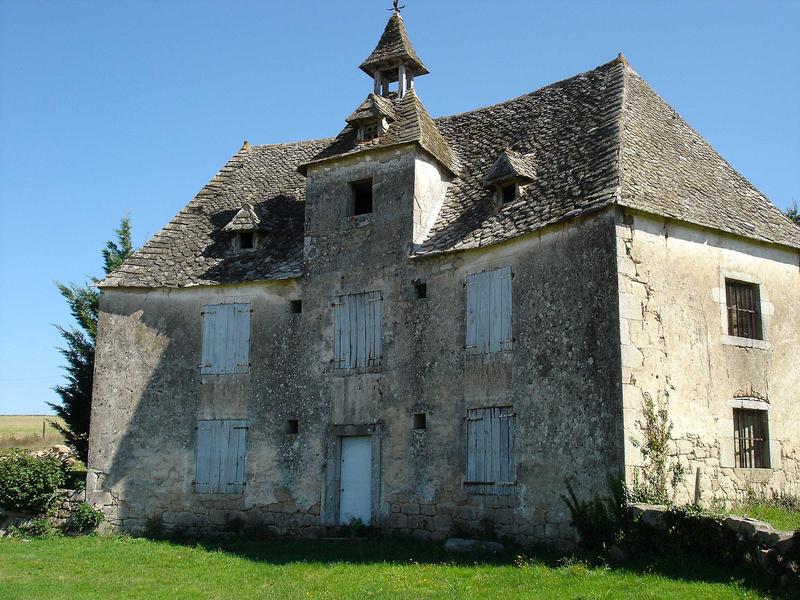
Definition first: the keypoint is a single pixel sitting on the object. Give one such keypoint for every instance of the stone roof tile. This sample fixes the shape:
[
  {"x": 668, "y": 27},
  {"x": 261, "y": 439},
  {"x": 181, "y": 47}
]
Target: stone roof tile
[
  {"x": 598, "y": 138},
  {"x": 393, "y": 48}
]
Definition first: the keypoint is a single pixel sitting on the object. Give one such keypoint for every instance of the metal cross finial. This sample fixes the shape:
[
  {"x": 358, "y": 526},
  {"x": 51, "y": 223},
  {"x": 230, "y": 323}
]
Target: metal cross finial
[{"x": 397, "y": 8}]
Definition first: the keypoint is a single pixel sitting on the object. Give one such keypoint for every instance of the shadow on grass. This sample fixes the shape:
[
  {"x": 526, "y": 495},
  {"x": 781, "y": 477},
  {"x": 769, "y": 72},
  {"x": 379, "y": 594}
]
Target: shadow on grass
[{"x": 396, "y": 550}]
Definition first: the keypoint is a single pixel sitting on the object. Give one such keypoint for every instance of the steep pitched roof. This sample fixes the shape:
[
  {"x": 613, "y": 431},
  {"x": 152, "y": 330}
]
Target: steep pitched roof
[
  {"x": 667, "y": 168},
  {"x": 412, "y": 125},
  {"x": 598, "y": 138},
  {"x": 393, "y": 48},
  {"x": 194, "y": 250},
  {"x": 510, "y": 165}
]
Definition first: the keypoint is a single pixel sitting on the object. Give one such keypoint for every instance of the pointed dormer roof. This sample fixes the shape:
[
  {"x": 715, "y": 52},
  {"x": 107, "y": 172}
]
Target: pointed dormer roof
[
  {"x": 246, "y": 219},
  {"x": 510, "y": 165},
  {"x": 372, "y": 108},
  {"x": 412, "y": 125},
  {"x": 393, "y": 49}
]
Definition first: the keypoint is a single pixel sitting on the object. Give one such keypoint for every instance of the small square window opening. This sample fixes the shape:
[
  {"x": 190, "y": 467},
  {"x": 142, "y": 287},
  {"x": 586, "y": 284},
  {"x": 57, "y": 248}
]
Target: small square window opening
[
  {"x": 420, "y": 290},
  {"x": 292, "y": 426},
  {"x": 361, "y": 197},
  {"x": 296, "y": 307},
  {"x": 508, "y": 193},
  {"x": 420, "y": 421},
  {"x": 246, "y": 240},
  {"x": 744, "y": 315},
  {"x": 370, "y": 131}
]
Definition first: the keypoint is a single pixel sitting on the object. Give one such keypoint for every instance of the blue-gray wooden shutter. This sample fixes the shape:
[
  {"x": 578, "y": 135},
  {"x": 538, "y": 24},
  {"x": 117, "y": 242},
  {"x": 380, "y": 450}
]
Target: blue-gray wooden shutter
[
  {"x": 202, "y": 479},
  {"x": 226, "y": 339},
  {"x": 488, "y": 326},
  {"x": 233, "y": 458},
  {"x": 502, "y": 336},
  {"x": 357, "y": 330},
  {"x": 491, "y": 467},
  {"x": 221, "y": 446},
  {"x": 239, "y": 332}
]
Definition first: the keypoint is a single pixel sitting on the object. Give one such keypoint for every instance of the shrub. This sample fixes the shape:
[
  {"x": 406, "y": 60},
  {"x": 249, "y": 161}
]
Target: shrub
[
  {"x": 28, "y": 481},
  {"x": 84, "y": 518},
  {"x": 38, "y": 527},
  {"x": 600, "y": 519}
]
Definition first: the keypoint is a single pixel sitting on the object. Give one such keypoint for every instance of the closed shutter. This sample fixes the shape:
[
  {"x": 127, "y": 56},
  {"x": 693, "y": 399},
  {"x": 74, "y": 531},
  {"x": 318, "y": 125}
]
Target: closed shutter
[
  {"x": 357, "y": 330},
  {"x": 202, "y": 480},
  {"x": 226, "y": 339},
  {"x": 221, "y": 448},
  {"x": 488, "y": 326},
  {"x": 490, "y": 450}
]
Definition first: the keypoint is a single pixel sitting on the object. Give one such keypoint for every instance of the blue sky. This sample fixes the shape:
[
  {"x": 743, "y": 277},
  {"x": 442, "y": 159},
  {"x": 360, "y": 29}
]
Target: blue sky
[{"x": 108, "y": 108}]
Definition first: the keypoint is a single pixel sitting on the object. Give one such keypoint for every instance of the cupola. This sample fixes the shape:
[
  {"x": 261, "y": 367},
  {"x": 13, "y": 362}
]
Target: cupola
[{"x": 394, "y": 59}]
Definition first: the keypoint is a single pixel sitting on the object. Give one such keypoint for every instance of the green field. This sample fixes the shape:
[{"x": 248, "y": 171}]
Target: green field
[
  {"x": 25, "y": 431},
  {"x": 120, "y": 567}
]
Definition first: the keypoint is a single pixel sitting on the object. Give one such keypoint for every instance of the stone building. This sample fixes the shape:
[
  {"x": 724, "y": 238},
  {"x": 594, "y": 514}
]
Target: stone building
[{"x": 428, "y": 325}]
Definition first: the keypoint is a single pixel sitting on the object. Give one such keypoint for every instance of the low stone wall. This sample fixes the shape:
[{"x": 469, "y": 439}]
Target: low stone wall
[
  {"x": 500, "y": 517},
  {"x": 64, "y": 504},
  {"x": 777, "y": 553},
  {"x": 487, "y": 517}
]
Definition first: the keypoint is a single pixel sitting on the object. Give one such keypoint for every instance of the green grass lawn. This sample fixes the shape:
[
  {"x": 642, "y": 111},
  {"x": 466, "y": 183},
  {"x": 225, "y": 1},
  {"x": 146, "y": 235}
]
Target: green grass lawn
[
  {"x": 119, "y": 567},
  {"x": 780, "y": 518}
]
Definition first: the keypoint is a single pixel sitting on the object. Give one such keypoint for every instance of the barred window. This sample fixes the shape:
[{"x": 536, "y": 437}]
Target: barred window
[
  {"x": 751, "y": 438},
  {"x": 744, "y": 316}
]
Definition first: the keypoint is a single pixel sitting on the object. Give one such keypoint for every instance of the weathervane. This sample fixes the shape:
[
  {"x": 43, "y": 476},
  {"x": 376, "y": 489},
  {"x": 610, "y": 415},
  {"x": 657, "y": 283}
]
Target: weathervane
[{"x": 397, "y": 8}]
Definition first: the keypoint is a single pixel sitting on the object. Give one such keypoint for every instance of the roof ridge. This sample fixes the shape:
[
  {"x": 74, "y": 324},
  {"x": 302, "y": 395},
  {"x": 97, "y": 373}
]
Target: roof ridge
[
  {"x": 526, "y": 94},
  {"x": 621, "y": 124},
  {"x": 294, "y": 143}
]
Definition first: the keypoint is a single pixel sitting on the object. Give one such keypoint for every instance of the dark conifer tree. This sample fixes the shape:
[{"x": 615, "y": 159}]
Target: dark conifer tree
[{"x": 76, "y": 393}]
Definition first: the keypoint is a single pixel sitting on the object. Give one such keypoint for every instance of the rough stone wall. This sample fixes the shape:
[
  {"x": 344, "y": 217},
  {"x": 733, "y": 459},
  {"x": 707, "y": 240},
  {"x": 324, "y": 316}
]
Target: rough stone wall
[
  {"x": 562, "y": 378},
  {"x": 675, "y": 349}
]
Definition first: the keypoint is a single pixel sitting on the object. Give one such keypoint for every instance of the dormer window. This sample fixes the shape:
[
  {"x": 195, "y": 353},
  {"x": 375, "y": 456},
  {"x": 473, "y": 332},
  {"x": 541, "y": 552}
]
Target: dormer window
[
  {"x": 245, "y": 240},
  {"x": 508, "y": 192},
  {"x": 246, "y": 228},
  {"x": 369, "y": 131}
]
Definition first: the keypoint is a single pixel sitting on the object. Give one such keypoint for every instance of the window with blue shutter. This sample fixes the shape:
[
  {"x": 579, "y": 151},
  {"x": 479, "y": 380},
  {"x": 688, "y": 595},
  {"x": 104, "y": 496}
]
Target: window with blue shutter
[
  {"x": 357, "y": 330},
  {"x": 226, "y": 339},
  {"x": 220, "y": 456},
  {"x": 490, "y": 450},
  {"x": 489, "y": 311}
]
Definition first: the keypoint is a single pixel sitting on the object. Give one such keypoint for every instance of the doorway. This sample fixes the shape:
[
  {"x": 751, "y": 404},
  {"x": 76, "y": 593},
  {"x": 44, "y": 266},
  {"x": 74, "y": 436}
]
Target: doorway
[{"x": 355, "y": 493}]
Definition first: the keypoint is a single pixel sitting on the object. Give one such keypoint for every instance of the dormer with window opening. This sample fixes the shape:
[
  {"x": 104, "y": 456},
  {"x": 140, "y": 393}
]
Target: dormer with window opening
[
  {"x": 247, "y": 229},
  {"x": 509, "y": 174}
]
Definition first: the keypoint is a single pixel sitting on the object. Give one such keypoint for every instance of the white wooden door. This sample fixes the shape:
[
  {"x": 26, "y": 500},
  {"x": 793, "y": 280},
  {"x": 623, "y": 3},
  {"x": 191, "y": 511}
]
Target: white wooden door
[{"x": 355, "y": 494}]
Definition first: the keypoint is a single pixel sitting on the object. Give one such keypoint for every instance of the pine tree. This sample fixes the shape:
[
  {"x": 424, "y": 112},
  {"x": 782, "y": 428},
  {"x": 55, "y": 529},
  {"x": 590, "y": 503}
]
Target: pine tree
[
  {"x": 793, "y": 213},
  {"x": 76, "y": 394}
]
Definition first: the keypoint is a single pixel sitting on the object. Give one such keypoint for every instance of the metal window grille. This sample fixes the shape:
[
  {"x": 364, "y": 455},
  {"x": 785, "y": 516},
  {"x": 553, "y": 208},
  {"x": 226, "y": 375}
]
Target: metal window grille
[
  {"x": 744, "y": 317},
  {"x": 751, "y": 439}
]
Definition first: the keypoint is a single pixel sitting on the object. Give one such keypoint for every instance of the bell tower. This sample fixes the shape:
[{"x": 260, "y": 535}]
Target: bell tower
[{"x": 394, "y": 59}]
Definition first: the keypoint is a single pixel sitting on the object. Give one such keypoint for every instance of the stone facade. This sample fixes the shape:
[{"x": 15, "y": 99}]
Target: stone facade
[
  {"x": 675, "y": 348},
  {"x": 610, "y": 304}
]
